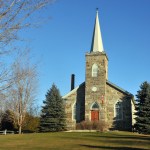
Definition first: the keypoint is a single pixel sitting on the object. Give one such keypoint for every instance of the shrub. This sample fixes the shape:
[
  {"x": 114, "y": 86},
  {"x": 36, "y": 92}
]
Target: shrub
[{"x": 92, "y": 125}]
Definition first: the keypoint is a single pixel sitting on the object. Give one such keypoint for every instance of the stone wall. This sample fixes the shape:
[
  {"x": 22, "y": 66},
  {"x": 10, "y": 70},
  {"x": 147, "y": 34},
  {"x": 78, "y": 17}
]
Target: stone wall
[
  {"x": 112, "y": 96},
  {"x": 76, "y": 96},
  {"x": 99, "y": 82},
  {"x": 105, "y": 94}
]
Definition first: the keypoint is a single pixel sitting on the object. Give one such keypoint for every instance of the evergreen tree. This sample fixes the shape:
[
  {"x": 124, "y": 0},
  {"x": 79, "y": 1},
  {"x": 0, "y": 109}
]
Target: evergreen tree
[
  {"x": 53, "y": 112},
  {"x": 7, "y": 120},
  {"x": 142, "y": 124}
]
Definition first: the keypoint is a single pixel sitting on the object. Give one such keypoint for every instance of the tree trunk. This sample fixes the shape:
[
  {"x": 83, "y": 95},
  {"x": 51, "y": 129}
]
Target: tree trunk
[{"x": 20, "y": 129}]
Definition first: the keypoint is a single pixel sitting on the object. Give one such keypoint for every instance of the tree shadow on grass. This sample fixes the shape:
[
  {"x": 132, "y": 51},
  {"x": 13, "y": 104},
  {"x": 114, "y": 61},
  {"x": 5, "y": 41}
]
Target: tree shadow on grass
[
  {"x": 109, "y": 147},
  {"x": 124, "y": 141},
  {"x": 110, "y": 136},
  {"x": 115, "y": 136}
]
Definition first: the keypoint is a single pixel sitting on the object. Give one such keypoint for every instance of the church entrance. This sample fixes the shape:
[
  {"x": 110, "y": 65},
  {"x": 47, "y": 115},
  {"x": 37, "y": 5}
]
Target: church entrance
[
  {"x": 94, "y": 115},
  {"x": 95, "y": 112}
]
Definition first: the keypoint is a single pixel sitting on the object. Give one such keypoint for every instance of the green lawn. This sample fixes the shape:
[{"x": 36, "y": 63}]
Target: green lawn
[{"x": 75, "y": 141}]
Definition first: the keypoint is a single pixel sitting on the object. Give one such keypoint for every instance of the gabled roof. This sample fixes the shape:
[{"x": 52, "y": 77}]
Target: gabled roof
[
  {"x": 118, "y": 88},
  {"x": 107, "y": 82},
  {"x": 74, "y": 90}
]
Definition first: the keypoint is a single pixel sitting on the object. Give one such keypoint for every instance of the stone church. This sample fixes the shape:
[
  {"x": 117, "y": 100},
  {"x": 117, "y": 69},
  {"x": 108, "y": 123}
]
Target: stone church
[{"x": 98, "y": 99}]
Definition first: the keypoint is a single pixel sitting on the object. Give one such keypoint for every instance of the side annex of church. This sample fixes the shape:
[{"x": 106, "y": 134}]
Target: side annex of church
[{"x": 98, "y": 99}]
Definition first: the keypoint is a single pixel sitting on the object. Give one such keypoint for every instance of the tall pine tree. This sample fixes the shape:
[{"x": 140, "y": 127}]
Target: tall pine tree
[
  {"x": 53, "y": 112},
  {"x": 142, "y": 124}
]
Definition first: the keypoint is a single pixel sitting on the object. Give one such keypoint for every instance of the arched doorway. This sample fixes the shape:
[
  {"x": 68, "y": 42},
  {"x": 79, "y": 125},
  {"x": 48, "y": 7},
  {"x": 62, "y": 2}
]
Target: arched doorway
[{"x": 95, "y": 112}]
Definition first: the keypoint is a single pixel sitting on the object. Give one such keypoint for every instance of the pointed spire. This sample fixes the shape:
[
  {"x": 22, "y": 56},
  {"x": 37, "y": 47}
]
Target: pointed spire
[{"x": 97, "y": 44}]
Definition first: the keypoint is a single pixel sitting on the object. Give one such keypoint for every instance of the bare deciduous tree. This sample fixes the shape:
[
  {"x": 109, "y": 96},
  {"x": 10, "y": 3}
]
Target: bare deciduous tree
[
  {"x": 23, "y": 90},
  {"x": 14, "y": 16},
  {"x": 2, "y": 105}
]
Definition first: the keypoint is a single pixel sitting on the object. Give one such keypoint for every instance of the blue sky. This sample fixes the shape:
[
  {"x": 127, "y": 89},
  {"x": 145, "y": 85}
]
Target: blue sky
[{"x": 61, "y": 42}]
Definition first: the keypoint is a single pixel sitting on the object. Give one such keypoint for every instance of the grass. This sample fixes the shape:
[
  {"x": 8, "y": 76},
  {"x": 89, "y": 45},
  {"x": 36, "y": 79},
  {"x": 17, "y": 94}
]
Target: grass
[{"x": 75, "y": 141}]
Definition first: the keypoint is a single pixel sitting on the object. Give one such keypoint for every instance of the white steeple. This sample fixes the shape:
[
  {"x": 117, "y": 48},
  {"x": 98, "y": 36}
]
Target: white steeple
[{"x": 97, "y": 44}]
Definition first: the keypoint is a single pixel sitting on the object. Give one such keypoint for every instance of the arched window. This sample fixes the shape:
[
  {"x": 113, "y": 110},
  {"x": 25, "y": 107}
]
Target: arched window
[
  {"x": 94, "y": 112},
  {"x": 94, "y": 70},
  {"x": 74, "y": 112},
  {"x": 95, "y": 106},
  {"x": 118, "y": 110}
]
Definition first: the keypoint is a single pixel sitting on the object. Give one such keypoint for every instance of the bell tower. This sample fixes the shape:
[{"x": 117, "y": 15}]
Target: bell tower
[{"x": 96, "y": 76}]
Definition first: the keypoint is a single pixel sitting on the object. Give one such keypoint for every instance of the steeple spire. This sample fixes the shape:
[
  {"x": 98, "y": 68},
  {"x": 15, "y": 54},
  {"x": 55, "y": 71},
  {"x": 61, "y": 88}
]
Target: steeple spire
[{"x": 97, "y": 44}]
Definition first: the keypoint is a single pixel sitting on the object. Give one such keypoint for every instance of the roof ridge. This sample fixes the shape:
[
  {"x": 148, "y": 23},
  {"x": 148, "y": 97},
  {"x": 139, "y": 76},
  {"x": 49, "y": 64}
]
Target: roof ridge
[{"x": 118, "y": 87}]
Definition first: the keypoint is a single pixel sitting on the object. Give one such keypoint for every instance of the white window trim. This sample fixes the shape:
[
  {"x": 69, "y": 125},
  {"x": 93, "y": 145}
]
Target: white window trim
[
  {"x": 93, "y": 109},
  {"x": 73, "y": 119},
  {"x": 117, "y": 119},
  {"x": 93, "y": 104},
  {"x": 94, "y": 73}
]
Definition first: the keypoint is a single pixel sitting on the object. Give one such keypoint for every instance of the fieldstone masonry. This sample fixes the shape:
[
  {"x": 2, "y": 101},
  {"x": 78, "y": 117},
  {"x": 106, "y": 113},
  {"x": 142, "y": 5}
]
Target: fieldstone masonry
[
  {"x": 106, "y": 96},
  {"x": 112, "y": 96},
  {"x": 96, "y": 98},
  {"x": 75, "y": 97},
  {"x": 99, "y": 82}
]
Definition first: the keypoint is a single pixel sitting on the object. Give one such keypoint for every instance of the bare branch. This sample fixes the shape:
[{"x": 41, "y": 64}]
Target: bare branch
[
  {"x": 24, "y": 87},
  {"x": 14, "y": 16}
]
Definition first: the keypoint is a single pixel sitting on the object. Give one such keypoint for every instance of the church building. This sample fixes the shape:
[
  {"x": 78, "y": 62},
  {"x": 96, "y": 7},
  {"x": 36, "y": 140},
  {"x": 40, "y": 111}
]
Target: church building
[{"x": 98, "y": 99}]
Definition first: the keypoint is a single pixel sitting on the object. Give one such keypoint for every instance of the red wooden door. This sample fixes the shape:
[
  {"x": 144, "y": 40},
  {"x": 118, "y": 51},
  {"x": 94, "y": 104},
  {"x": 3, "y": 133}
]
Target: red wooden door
[{"x": 94, "y": 115}]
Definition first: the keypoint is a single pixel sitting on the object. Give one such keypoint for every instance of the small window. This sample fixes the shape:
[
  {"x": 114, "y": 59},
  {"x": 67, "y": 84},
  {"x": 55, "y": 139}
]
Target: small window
[
  {"x": 118, "y": 111},
  {"x": 94, "y": 70},
  {"x": 74, "y": 112},
  {"x": 95, "y": 106}
]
